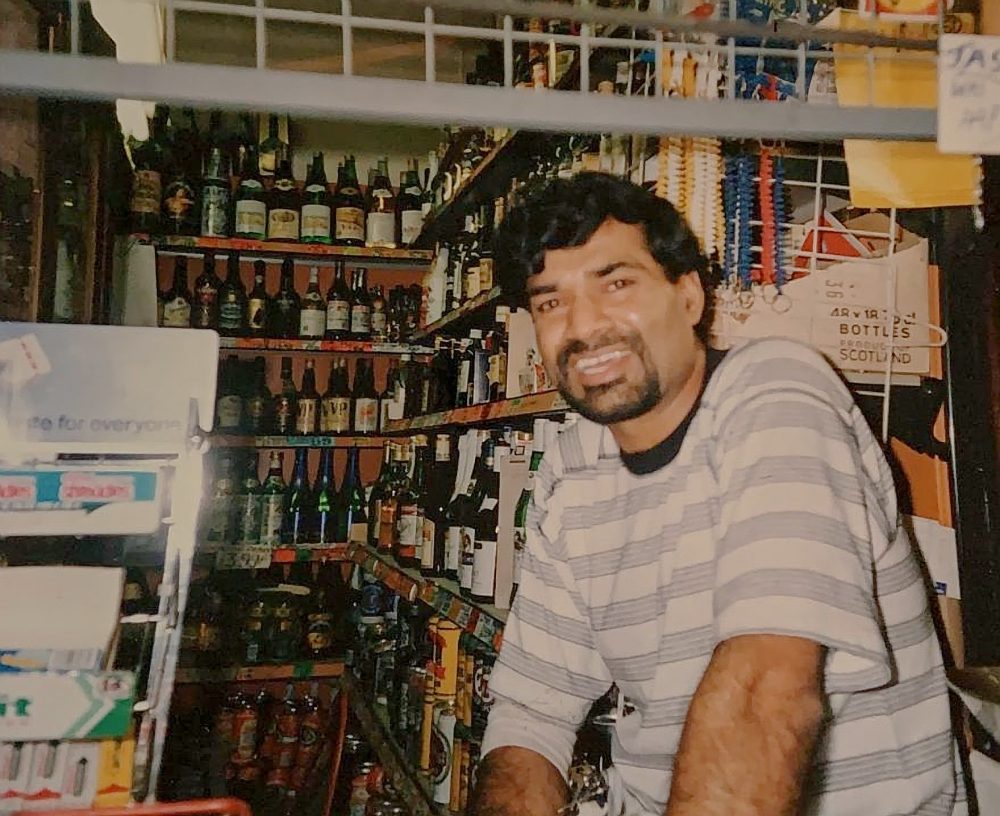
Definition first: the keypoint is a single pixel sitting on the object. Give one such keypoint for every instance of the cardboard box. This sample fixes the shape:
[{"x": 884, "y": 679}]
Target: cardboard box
[{"x": 525, "y": 372}]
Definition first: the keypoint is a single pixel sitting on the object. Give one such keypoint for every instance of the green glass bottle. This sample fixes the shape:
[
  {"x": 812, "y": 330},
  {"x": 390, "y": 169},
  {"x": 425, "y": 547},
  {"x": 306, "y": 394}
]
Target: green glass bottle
[{"x": 272, "y": 502}]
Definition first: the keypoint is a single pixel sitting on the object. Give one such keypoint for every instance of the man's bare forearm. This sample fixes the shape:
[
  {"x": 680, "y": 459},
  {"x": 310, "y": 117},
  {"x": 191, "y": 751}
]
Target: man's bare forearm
[
  {"x": 517, "y": 782},
  {"x": 751, "y": 730}
]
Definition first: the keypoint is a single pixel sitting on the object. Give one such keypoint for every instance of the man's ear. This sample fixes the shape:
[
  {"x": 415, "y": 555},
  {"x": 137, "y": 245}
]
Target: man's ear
[{"x": 693, "y": 293}]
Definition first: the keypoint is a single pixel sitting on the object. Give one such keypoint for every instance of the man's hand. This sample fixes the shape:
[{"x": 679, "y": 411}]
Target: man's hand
[
  {"x": 748, "y": 742},
  {"x": 517, "y": 782}
]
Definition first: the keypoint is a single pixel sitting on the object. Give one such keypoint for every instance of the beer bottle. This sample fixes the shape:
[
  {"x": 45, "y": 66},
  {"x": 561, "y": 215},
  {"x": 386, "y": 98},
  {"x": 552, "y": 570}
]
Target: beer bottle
[
  {"x": 307, "y": 404},
  {"x": 285, "y": 411},
  {"x": 232, "y": 300},
  {"x": 285, "y": 313},
  {"x": 325, "y": 501},
  {"x": 335, "y": 408},
  {"x": 338, "y": 306},
  {"x": 316, "y": 211},
  {"x": 258, "y": 303},
  {"x": 298, "y": 506},
  {"x": 272, "y": 502},
  {"x": 177, "y": 299},
  {"x": 205, "y": 309}
]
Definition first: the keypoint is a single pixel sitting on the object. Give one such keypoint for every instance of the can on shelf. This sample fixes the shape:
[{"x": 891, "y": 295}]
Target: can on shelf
[
  {"x": 442, "y": 750},
  {"x": 447, "y": 635}
]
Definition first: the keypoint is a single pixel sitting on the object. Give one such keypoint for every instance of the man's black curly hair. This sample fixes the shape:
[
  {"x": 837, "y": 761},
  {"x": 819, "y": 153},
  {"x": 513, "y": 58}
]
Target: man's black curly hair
[{"x": 565, "y": 213}]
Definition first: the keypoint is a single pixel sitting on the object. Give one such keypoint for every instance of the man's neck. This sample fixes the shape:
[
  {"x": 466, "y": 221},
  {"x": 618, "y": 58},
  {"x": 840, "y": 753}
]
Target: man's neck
[{"x": 646, "y": 431}]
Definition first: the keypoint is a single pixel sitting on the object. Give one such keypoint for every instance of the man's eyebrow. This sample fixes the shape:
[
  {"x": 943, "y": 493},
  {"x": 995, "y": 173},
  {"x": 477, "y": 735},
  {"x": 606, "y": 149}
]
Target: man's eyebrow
[{"x": 548, "y": 288}]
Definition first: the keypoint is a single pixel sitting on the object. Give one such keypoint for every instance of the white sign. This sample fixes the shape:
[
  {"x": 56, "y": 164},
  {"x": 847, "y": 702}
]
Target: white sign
[
  {"x": 243, "y": 556},
  {"x": 969, "y": 94}
]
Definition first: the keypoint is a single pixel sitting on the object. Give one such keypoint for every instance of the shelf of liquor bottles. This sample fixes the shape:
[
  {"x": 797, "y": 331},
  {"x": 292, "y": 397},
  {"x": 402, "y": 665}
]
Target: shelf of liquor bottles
[
  {"x": 412, "y": 786},
  {"x": 300, "y": 670},
  {"x": 331, "y": 346},
  {"x": 320, "y": 441},
  {"x": 174, "y": 244},
  {"x": 531, "y": 405},
  {"x": 476, "y": 311},
  {"x": 482, "y": 621}
]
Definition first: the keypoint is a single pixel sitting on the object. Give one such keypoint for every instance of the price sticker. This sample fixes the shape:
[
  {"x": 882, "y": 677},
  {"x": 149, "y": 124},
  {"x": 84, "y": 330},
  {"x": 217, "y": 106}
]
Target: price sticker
[{"x": 243, "y": 556}]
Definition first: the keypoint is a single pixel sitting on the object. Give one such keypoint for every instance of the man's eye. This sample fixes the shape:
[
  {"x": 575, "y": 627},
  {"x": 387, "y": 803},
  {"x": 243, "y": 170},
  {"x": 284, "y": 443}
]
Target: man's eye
[
  {"x": 619, "y": 283},
  {"x": 546, "y": 305}
]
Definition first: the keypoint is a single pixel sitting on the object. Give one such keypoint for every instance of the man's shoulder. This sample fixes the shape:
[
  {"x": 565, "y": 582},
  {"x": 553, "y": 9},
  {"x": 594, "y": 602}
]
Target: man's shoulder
[{"x": 775, "y": 363}]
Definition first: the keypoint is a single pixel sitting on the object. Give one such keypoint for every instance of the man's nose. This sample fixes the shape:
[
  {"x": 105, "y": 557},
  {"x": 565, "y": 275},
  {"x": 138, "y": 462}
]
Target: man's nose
[{"x": 586, "y": 317}]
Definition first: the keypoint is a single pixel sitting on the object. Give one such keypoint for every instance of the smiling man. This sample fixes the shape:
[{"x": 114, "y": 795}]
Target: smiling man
[{"x": 719, "y": 537}]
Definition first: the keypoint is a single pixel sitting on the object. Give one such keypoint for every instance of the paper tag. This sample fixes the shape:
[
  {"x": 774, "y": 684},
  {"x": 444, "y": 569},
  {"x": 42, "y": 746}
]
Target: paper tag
[
  {"x": 243, "y": 556},
  {"x": 969, "y": 94},
  {"x": 22, "y": 359}
]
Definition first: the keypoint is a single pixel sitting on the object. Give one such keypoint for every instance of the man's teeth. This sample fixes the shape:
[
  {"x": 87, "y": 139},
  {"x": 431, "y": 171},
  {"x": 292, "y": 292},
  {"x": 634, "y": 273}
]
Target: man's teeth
[{"x": 590, "y": 363}]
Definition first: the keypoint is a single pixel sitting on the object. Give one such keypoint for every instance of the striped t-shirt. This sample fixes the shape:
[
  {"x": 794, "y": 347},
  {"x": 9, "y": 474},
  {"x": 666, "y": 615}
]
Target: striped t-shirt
[{"x": 776, "y": 515}]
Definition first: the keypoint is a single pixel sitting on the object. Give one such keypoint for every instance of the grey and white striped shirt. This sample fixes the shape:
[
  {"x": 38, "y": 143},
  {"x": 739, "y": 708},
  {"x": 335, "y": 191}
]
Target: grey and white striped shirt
[{"x": 776, "y": 515}]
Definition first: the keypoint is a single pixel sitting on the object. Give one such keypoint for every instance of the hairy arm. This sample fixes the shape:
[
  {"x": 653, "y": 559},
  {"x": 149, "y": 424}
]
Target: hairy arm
[
  {"x": 517, "y": 782},
  {"x": 751, "y": 729}
]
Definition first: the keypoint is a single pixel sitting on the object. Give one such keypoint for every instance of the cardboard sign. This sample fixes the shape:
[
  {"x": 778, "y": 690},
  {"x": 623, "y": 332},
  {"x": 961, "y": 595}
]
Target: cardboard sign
[
  {"x": 49, "y": 706},
  {"x": 969, "y": 94},
  {"x": 104, "y": 387}
]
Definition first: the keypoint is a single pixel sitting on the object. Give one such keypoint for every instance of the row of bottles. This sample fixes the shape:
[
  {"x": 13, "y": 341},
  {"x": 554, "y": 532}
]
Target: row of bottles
[
  {"x": 185, "y": 183},
  {"x": 437, "y": 509},
  {"x": 428, "y": 685},
  {"x": 278, "y": 615},
  {"x": 347, "y": 311},
  {"x": 274, "y": 513},
  {"x": 245, "y": 405}
]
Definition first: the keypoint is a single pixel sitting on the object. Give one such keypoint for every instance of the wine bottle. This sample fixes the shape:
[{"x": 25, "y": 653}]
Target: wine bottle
[
  {"x": 250, "y": 219},
  {"x": 284, "y": 402},
  {"x": 410, "y": 207},
  {"x": 316, "y": 211},
  {"x": 147, "y": 178},
  {"x": 361, "y": 307},
  {"x": 365, "y": 399},
  {"x": 335, "y": 408},
  {"x": 283, "y": 212},
  {"x": 298, "y": 504},
  {"x": 215, "y": 195},
  {"x": 285, "y": 312},
  {"x": 376, "y": 494},
  {"x": 380, "y": 228},
  {"x": 232, "y": 300},
  {"x": 412, "y": 498},
  {"x": 258, "y": 303},
  {"x": 349, "y": 207},
  {"x": 307, "y": 404},
  {"x": 338, "y": 306},
  {"x": 205, "y": 309},
  {"x": 272, "y": 502},
  {"x": 177, "y": 299},
  {"x": 312, "y": 316},
  {"x": 435, "y": 526},
  {"x": 380, "y": 319},
  {"x": 324, "y": 523},
  {"x": 258, "y": 401},
  {"x": 484, "y": 564}
]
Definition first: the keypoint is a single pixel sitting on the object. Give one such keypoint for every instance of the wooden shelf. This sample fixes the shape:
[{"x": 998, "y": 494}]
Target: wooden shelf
[
  {"x": 301, "y": 670},
  {"x": 318, "y": 441},
  {"x": 321, "y": 552},
  {"x": 412, "y": 786},
  {"x": 547, "y": 402},
  {"x": 169, "y": 243},
  {"x": 482, "y": 621},
  {"x": 331, "y": 346},
  {"x": 473, "y": 311}
]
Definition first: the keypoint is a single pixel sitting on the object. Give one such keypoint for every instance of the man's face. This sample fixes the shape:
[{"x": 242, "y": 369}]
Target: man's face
[{"x": 616, "y": 336}]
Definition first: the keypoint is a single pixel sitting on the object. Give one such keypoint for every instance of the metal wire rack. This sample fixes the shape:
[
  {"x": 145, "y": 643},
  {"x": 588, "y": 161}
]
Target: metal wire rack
[{"x": 793, "y": 40}]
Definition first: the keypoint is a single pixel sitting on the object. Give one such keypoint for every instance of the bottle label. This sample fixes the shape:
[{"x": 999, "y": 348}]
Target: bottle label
[
  {"x": 312, "y": 323},
  {"x": 272, "y": 508},
  {"x": 205, "y": 300},
  {"x": 489, "y": 504},
  {"x": 468, "y": 557},
  {"x": 178, "y": 200},
  {"x": 315, "y": 220},
  {"x": 387, "y": 523},
  {"x": 147, "y": 190},
  {"x": 256, "y": 313},
  {"x": 379, "y": 324},
  {"x": 230, "y": 411},
  {"x": 365, "y": 415},
  {"x": 283, "y": 224},
  {"x": 350, "y": 224},
  {"x": 463, "y": 378},
  {"x": 338, "y": 316},
  {"x": 358, "y": 532},
  {"x": 453, "y": 549},
  {"x": 485, "y": 274},
  {"x": 442, "y": 448},
  {"x": 427, "y": 544},
  {"x": 385, "y": 412},
  {"x": 484, "y": 568},
  {"x": 409, "y": 531},
  {"x": 470, "y": 282},
  {"x": 230, "y": 316},
  {"x": 381, "y": 229},
  {"x": 214, "y": 211},
  {"x": 411, "y": 223},
  {"x": 319, "y": 631},
  {"x": 251, "y": 218},
  {"x": 335, "y": 415},
  {"x": 305, "y": 417},
  {"x": 177, "y": 314},
  {"x": 361, "y": 319}
]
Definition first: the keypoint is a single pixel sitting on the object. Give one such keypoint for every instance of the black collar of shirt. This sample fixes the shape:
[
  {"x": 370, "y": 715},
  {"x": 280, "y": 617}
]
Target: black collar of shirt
[{"x": 663, "y": 453}]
